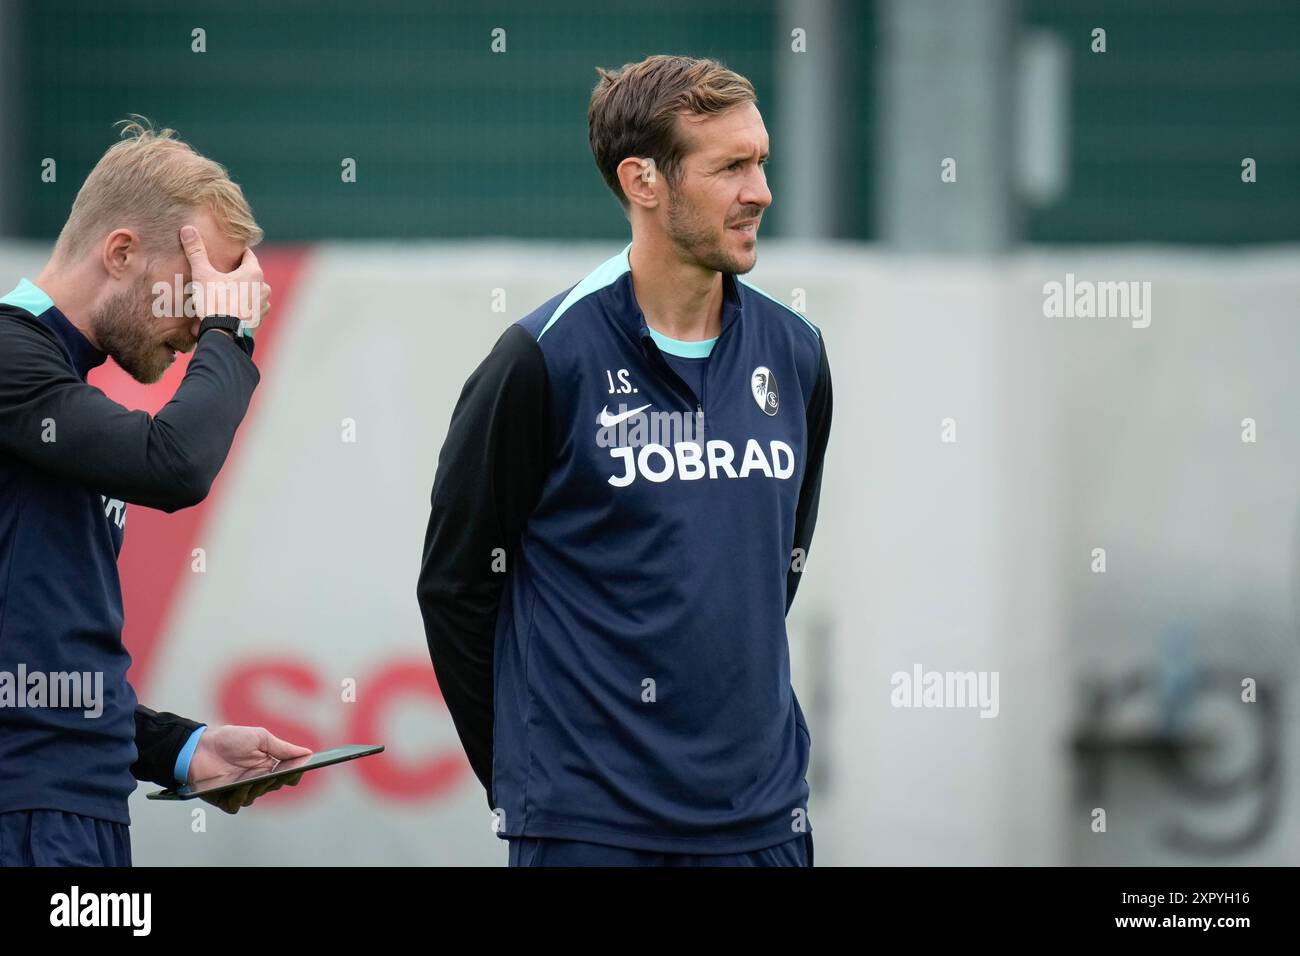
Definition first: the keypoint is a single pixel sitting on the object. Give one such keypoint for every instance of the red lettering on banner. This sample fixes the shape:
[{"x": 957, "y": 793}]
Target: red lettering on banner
[
  {"x": 413, "y": 780},
  {"x": 243, "y": 693},
  {"x": 240, "y": 698}
]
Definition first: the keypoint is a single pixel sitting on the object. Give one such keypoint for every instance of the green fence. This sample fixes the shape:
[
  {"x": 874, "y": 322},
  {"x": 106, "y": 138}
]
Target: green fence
[{"x": 453, "y": 140}]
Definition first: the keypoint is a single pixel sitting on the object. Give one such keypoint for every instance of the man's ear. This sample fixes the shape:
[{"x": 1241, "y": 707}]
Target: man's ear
[
  {"x": 640, "y": 181},
  {"x": 120, "y": 247}
]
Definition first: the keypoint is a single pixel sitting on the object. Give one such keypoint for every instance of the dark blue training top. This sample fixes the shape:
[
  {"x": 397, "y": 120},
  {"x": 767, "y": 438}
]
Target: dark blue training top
[
  {"x": 70, "y": 461},
  {"x": 605, "y": 582}
]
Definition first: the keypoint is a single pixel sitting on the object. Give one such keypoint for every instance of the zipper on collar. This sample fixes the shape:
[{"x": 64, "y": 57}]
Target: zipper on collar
[
  {"x": 704, "y": 379},
  {"x": 657, "y": 359},
  {"x": 649, "y": 346}
]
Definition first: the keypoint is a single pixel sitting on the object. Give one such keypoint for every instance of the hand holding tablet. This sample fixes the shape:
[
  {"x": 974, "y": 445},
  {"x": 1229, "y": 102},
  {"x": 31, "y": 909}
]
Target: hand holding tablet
[{"x": 234, "y": 790}]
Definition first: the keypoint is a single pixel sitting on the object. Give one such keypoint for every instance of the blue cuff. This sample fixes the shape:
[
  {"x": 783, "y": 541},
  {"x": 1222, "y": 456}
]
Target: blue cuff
[{"x": 182, "y": 771}]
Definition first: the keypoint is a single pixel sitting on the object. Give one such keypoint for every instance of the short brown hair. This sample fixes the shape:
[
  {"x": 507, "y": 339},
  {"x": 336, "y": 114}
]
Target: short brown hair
[
  {"x": 152, "y": 182},
  {"x": 633, "y": 110}
]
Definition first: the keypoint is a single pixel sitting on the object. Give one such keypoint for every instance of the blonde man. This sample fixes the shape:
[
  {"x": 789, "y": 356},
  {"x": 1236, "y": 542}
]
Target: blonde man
[
  {"x": 621, "y": 511},
  {"x": 73, "y": 740}
]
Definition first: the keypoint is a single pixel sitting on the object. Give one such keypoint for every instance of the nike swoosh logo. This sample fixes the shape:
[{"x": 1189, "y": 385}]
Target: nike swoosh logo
[{"x": 609, "y": 421}]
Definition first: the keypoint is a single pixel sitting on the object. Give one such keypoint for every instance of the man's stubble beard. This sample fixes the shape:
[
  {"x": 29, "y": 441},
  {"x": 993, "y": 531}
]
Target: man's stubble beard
[
  {"x": 124, "y": 328},
  {"x": 700, "y": 242}
]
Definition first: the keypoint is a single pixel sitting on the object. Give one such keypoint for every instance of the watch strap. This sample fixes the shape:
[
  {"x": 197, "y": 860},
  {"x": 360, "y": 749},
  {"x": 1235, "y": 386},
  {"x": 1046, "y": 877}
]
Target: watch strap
[{"x": 228, "y": 323}]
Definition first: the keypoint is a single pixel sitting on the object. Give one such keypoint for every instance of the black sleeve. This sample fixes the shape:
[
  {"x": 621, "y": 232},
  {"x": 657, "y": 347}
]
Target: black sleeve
[
  {"x": 57, "y": 423},
  {"x": 490, "y": 474},
  {"x": 805, "y": 516},
  {"x": 159, "y": 739}
]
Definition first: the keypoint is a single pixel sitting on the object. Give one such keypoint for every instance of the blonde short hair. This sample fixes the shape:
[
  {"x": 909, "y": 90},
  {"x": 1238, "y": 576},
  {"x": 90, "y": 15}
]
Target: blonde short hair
[{"x": 153, "y": 182}]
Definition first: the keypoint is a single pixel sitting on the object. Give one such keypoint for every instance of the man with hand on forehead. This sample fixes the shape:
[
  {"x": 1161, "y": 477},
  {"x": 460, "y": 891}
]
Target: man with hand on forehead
[{"x": 72, "y": 460}]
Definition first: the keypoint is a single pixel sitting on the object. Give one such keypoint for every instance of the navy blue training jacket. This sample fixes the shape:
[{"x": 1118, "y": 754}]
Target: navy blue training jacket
[
  {"x": 71, "y": 460},
  {"x": 609, "y": 561}
]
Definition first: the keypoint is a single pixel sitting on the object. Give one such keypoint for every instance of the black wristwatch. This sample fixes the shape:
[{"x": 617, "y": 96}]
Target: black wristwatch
[{"x": 227, "y": 323}]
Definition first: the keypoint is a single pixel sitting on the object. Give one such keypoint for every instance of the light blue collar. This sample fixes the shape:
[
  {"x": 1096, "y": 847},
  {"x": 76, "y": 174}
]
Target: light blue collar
[
  {"x": 29, "y": 296},
  {"x": 682, "y": 349}
]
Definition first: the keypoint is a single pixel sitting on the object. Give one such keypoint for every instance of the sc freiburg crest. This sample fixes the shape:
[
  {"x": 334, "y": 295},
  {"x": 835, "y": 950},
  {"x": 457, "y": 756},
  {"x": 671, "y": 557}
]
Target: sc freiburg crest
[{"x": 763, "y": 383}]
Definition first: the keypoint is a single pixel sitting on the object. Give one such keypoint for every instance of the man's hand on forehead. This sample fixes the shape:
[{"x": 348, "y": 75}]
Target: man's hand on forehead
[{"x": 239, "y": 291}]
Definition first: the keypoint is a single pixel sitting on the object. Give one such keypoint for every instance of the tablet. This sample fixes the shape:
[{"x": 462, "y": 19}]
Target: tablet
[{"x": 285, "y": 768}]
